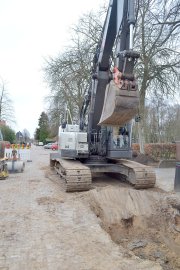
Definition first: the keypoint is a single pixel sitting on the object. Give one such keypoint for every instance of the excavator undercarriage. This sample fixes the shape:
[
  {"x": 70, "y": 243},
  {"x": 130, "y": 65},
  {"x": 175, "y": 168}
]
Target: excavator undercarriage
[{"x": 78, "y": 176}]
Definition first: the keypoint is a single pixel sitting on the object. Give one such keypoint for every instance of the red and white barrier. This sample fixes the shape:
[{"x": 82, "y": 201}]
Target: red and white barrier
[{"x": 22, "y": 153}]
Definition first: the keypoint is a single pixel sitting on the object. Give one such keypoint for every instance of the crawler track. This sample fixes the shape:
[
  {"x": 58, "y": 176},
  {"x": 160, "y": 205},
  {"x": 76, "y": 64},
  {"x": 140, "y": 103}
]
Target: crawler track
[
  {"x": 141, "y": 176},
  {"x": 76, "y": 175}
]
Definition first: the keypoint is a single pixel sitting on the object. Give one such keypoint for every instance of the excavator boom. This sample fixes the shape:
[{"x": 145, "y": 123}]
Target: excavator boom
[{"x": 113, "y": 95}]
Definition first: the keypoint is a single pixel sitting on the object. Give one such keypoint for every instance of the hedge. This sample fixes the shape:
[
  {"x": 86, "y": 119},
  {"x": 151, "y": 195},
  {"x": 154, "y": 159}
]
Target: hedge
[{"x": 158, "y": 151}]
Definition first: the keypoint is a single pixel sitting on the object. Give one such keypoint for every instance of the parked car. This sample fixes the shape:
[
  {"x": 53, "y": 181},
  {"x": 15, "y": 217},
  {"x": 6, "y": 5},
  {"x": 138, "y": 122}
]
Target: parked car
[
  {"x": 54, "y": 146},
  {"x": 48, "y": 146}
]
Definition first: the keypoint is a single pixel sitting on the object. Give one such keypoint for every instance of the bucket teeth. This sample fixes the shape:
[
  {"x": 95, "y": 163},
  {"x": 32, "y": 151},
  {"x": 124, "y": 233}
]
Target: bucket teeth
[{"x": 120, "y": 105}]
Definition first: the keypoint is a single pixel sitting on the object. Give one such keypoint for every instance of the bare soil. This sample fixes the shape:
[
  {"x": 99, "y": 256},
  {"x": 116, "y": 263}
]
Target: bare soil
[
  {"x": 111, "y": 226},
  {"x": 145, "y": 222},
  {"x": 145, "y": 159}
]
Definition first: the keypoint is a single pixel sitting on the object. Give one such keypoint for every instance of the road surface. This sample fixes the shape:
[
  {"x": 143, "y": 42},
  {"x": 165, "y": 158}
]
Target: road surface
[{"x": 42, "y": 227}]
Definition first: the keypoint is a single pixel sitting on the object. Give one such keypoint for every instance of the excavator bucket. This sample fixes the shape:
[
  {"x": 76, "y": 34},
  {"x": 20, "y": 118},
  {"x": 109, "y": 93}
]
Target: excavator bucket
[{"x": 120, "y": 105}]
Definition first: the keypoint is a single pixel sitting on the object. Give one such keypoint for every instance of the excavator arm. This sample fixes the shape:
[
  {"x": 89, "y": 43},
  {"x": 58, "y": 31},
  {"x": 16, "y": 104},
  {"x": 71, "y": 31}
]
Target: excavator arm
[{"x": 117, "y": 35}]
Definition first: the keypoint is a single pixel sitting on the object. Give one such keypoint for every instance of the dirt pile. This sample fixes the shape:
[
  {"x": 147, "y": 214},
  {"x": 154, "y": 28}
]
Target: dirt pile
[{"x": 146, "y": 223}]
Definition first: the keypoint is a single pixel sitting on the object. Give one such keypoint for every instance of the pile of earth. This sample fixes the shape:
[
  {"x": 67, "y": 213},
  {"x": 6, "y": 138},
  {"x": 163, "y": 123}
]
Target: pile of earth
[
  {"x": 144, "y": 222},
  {"x": 144, "y": 159}
]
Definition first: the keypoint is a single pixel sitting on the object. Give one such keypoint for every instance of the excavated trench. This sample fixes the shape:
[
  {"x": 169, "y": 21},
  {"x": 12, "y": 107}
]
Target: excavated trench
[{"x": 145, "y": 222}]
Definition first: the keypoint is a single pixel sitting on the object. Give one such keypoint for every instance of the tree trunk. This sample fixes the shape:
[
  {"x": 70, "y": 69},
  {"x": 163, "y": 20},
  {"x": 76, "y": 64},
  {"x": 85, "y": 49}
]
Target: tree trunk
[
  {"x": 141, "y": 137},
  {"x": 141, "y": 110}
]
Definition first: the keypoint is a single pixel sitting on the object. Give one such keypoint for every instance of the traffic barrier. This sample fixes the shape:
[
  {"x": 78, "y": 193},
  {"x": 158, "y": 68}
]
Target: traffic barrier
[
  {"x": 15, "y": 165},
  {"x": 18, "y": 146},
  {"x": 22, "y": 154}
]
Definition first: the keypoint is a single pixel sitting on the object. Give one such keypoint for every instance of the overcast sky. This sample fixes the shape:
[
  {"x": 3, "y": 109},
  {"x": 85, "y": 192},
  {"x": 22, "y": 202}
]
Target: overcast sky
[{"x": 31, "y": 30}]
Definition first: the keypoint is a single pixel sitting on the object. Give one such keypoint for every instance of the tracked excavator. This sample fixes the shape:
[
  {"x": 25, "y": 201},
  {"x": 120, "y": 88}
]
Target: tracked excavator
[{"x": 102, "y": 140}]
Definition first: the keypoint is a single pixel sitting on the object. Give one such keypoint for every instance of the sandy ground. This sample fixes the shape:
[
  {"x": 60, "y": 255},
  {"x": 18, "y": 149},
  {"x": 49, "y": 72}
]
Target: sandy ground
[{"x": 42, "y": 227}]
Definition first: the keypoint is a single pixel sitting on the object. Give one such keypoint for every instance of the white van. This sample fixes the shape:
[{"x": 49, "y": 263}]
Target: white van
[{"x": 40, "y": 143}]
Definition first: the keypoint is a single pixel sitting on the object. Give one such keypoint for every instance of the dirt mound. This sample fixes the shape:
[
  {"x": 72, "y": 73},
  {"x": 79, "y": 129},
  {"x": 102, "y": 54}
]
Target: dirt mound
[
  {"x": 144, "y": 159},
  {"x": 145, "y": 222}
]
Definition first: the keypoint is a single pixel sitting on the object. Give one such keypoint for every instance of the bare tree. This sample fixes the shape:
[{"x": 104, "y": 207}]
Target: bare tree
[
  {"x": 68, "y": 75},
  {"x": 162, "y": 121},
  {"x": 6, "y": 106},
  {"x": 157, "y": 36},
  {"x": 157, "y": 40}
]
